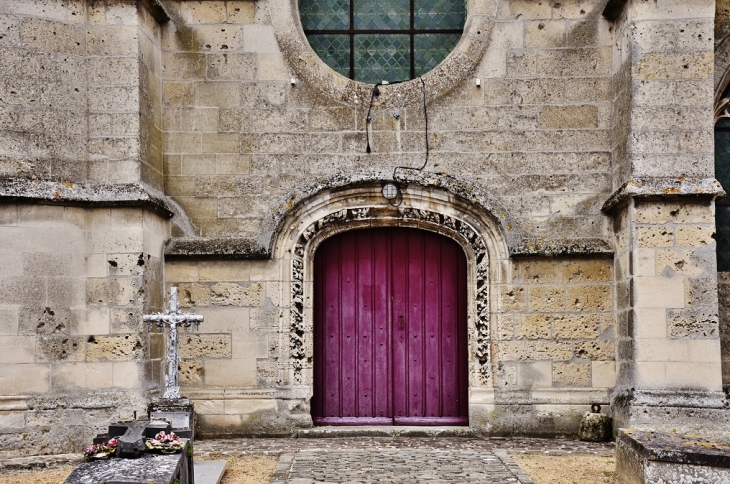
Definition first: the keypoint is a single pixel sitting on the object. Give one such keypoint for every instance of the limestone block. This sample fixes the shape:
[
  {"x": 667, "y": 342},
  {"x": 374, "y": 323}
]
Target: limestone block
[
  {"x": 695, "y": 236},
  {"x": 692, "y": 323},
  {"x": 572, "y": 374},
  {"x": 521, "y": 63},
  {"x": 113, "y": 348},
  {"x": 9, "y": 30},
  {"x": 208, "y": 406},
  {"x": 45, "y": 321},
  {"x": 52, "y": 36},
  {"x": 20, "y": 379},
  {"x": 232, "y": 163},
  {"x": 82, "y": 375},
  {"x": 183, "y": 66},
  {"x": 650, "y": 323},
  {"x": 191, "y": 373},
  {"x": 124, "y": 320},
  {"x": 250, "y": 345},
  {"x": 682, "y": 262},
  {"x": 194, "y": 295},
  {"x": 264, "y": 319},
  {"x": 534, "y": 350},
  {"x": 586, "y": 270},
  {"x": 659, "y": 292},
  {"x": 700, "y": 376},
  {"x": 560, "y": 117},
  {"x": 595, "y": 350},
  {"x": 228, "y": 372},
  {"x": 534, "y": 326},
  {"x": 231, "y": 67},
  {"x": 260, "y": 39},
  {"x": 579, "y": 326},
  {"x": 595, "y": 427},
  {"x": 25, "y": 291},
  {"x": 217, "y": 93},
  {"x": 229, "y": 294},
  {"x": 12, "y": 420},
  {"x": 685, "y": 65},
  {"x": 178, "y": 93},
  {"x": 269, "y": 94},
  {"x": 700, "y": 292},
  {"x": 524, "y": 10},
  {"x": 537, "y": 374},
  {"x": 666, "y": 350},
  {"x": 603, "y": 374},
  {"x": 240, "y": 12},
  {"x": 119, "y": 291},
  {"x": 272, "y": 67},
  {"x": 17, "y": 349},
  {"x": 9, "y": 319},
  {"x": 205, "y": 345},
  {"x": 543, "y": 34},
  {"x": 574, "y": 62},
  {"x": 655, "y": 236},
  {"x": 644, "y": 262},
  {"x": 202, "y": 12},
  {"x": 547, "y": 298},
  {"x": 540, "y": 271},
  {"x": 61, "y": 348},
  {"x": 221, "y": 143},
  {"x": 512, "y": 298},
  {"x": 113, "y": 40},
  {"x": 249, "y": 405},
  {"x": 125, "y": 374},
  {"x": 589, "y": 297}
]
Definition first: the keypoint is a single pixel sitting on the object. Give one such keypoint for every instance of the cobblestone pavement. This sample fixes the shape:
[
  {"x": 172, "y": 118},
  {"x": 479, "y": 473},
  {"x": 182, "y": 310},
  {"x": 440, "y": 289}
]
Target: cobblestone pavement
[
  {"x": 374, "y": 459},
  {"x": 398, "y": 459}
]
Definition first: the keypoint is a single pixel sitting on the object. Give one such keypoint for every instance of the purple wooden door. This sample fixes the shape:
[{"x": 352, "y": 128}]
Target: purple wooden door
[{"x": 390, "y": 344}]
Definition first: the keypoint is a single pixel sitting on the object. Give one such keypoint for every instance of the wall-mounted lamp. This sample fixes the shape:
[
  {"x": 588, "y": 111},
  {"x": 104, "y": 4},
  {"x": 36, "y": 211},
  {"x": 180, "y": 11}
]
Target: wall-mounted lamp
[{"x": 390, "y": 191}]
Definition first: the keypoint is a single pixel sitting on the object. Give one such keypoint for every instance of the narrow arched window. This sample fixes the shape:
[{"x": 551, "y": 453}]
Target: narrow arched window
[
  {"x": 388, "y": 40},
  {"x": 722, "y": 173}
]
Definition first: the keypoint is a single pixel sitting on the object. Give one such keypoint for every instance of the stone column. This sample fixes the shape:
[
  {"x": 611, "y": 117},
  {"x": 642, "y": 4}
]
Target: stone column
[{"x": 668, "y": 354}]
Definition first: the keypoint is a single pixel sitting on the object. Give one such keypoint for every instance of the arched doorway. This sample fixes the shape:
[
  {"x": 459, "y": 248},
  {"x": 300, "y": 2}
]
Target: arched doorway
[{"x": 390, "y": 329}]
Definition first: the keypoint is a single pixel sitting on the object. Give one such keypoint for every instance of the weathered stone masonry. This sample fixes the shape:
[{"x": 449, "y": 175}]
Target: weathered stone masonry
[{"x": 157, "y": 143}]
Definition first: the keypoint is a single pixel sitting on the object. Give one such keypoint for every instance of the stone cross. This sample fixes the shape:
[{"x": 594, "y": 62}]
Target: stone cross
[{"x": 172, "y": 318}]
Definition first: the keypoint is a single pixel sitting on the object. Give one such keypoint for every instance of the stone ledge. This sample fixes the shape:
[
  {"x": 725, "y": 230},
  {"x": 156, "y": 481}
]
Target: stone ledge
[
  {"x": 215, "y": 248},
  {"x": 561, "y": 247},
  {"x": 679, "y": 449},
  {"x": 665, "y": 187},
  {"x": 27, "y": 190}
]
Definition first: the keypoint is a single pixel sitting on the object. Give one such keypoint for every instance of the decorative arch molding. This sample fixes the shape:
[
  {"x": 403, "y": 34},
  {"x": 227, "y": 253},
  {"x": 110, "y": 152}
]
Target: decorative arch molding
[
  {"x": 722, "y": 71},
  {"x": 479, "y": 235},
  {"x": 316, "y": 74},
  {"x": 472, "y": 197}
]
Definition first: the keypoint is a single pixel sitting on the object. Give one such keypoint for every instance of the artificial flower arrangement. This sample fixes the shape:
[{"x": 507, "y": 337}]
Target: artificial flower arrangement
[
  {"x": 167, "y": 443},
  {"x": 101, "y": 451}
]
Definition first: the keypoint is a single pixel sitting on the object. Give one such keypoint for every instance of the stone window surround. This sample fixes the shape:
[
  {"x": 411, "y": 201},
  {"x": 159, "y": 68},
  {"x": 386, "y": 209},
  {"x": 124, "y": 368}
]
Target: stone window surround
[
  {"x": 363, "y": 206},
  {"x": 313, "y": 71}
]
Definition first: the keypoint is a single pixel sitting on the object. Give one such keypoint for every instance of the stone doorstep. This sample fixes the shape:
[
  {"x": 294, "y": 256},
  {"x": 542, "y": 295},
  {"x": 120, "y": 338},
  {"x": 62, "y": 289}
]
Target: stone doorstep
[
  {"x": 385, "y": 431},
  {"x": 209, "y": 471},
  {"x": 679, "y": 449}
]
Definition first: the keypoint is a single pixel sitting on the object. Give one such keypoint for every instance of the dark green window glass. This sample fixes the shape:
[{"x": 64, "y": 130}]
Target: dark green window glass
[
  {"x": 384, "y": 40},
  {"x": 722, "y": 205}
]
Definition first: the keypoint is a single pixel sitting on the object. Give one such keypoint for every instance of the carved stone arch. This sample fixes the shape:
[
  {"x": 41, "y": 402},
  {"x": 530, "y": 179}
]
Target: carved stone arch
[{"x": 362, "y": 206}]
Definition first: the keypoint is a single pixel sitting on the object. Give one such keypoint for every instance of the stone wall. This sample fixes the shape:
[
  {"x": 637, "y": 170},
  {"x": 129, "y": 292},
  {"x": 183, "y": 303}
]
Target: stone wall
[
  {"x": 239, "y": 137},
  {"x": 75, "y": 355}
]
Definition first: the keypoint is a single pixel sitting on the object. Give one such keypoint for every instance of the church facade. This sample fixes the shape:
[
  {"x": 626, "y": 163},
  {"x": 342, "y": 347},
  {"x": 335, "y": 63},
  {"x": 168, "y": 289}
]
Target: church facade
[{"x": 519, "y": 223}]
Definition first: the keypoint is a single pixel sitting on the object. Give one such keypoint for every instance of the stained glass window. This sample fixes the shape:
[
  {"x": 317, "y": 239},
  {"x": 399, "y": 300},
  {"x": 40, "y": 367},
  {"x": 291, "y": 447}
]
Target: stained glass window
[
  {"x": 722, "y": 205},
  {"x": 385, "y": 40}
]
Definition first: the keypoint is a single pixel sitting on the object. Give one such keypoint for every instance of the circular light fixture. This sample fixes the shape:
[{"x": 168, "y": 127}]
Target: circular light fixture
[{"x": 390, "y": 191}]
